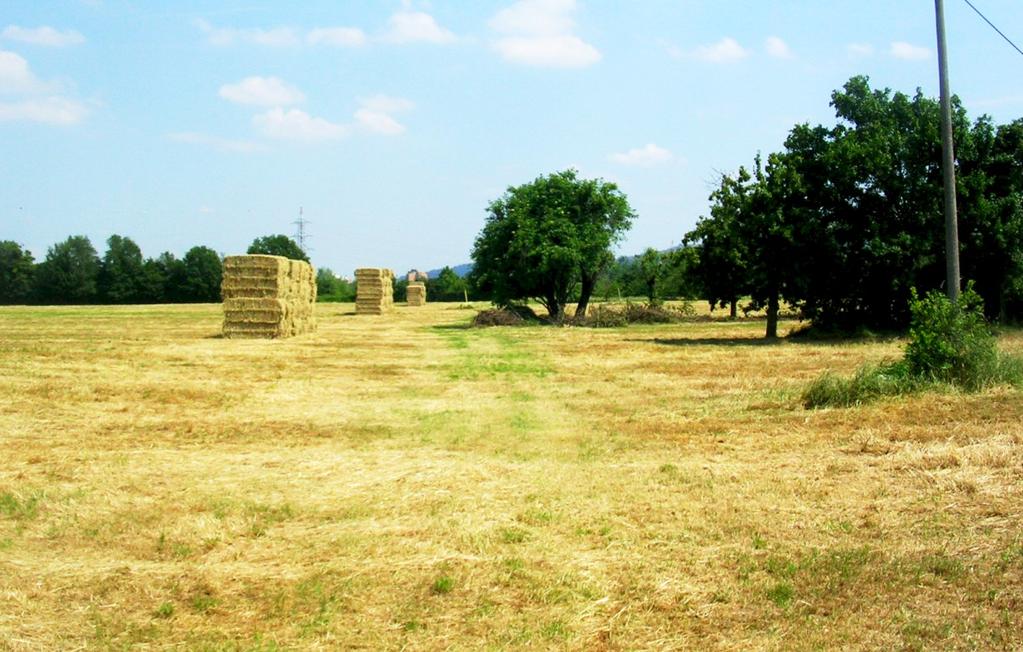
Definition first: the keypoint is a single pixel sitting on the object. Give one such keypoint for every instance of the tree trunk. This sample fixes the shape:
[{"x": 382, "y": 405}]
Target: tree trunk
[
  {"x": 732, "y": 314},
  {"x": 585, "y": 291},
  {"x": 554, "y": 309},
  {"x": 772, "y": 317}
]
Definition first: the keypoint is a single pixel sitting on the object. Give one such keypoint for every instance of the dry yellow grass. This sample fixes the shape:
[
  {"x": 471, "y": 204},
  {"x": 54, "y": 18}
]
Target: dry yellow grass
[{"x": 402, "y": 482}]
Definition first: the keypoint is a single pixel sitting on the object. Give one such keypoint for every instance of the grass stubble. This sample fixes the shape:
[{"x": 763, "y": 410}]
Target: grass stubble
[{"x": 404, "y": 482}]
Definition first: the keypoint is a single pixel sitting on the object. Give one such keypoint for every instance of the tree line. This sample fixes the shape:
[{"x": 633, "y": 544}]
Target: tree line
[
  {"x": 847, "y": 220},
  {"x": 74, "y": 273},
  {"x": 842, "y": 224}
]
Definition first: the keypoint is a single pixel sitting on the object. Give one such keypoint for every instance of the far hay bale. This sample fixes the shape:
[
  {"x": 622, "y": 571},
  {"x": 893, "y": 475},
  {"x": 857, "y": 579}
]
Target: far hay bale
[
  {"x": 416, "y": 294},
  {"x": 268, "y": 296},
  {"x": 374, "y": 291}
]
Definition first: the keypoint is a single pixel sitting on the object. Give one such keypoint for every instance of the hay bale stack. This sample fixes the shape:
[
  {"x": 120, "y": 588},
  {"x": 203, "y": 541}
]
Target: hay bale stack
[
  {"x": 268, "y": 296},
  {"x": 416, "y": 294},
  {"x": 374, "y": 291}
]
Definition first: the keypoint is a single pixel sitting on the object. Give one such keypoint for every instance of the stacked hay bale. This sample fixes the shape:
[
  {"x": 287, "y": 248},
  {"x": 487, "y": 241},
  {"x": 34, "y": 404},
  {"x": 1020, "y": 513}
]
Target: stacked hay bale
[
  {"x": 268, "y": 296},
  {"x": 374, "y": 291},
  {"x": 416, "y": 294}
]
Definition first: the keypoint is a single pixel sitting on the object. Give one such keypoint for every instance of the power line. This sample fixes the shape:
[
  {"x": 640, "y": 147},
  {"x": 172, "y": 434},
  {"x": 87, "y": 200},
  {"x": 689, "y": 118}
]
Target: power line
[{"x": 1007, "y": 39}]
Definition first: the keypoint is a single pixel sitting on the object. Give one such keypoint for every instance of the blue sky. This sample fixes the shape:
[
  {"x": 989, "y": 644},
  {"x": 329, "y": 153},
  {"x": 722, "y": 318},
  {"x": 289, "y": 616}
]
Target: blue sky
[{"x": 393, "y": 123}]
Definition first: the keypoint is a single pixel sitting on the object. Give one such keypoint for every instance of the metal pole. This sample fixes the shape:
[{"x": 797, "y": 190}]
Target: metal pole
[{"x": 947, "y": 163}]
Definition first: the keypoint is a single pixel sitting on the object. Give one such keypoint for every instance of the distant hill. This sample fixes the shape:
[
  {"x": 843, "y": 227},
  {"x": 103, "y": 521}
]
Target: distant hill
[{"x": 462, "y": 270}]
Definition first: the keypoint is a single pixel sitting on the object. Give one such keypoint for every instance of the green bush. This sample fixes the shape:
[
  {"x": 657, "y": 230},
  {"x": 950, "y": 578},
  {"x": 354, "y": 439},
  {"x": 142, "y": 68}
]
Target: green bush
[
  {"x": 870, "y": 383},
  {"x": 951, "y": 342}
]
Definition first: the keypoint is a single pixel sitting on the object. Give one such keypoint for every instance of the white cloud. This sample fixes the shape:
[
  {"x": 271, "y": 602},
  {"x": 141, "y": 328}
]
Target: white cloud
[
  {"x": 777, "y": 48},
  {"x": 297, "y": 125},
  {"x": 206, "y": 210},
  {"x": 345, "y": 37},
  {"x": 17, "y": 78},
  {"x": 548, "y": 51},
  {"x": 47, "y": 36},
  {"x": 860, "y": 50},
  {"x": 727, "y": 50},
  {"x": 408, "y": 26},
  {"x": 536, "y": 17},
  {"x": 541, "y": 33},
  {"x": 216, "y": 142},
  {"x": 378, "y": 122},
  {"x": 262, "y": 91},
  {"x": 647, "y": 155},
  {"x": 386, "y": 104},
  {"x": 224, "y": 36},
  {"x": 375, "y": 112},
  {"x": 909, "y": 52},
  {"x": 47, "y": 110}
]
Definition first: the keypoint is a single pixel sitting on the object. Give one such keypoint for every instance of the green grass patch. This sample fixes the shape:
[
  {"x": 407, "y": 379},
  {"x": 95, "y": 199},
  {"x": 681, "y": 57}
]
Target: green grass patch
[{"x": 20, "y": 507}]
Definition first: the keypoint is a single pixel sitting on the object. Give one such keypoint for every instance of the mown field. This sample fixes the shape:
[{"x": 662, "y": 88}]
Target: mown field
[{"x": 406, "y": 482}]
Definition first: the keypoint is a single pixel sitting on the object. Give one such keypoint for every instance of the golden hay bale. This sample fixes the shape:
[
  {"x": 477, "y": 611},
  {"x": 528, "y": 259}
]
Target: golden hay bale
[
  {"x": 268, "y": 296},
  {"x": 415, "y": 294},
  {"x": 374, "y": 290}
]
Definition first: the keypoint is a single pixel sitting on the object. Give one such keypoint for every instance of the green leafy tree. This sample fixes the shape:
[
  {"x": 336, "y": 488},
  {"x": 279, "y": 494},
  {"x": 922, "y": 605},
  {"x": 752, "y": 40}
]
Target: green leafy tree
[
  {"x": 651, "y": 269},
  {"x": 277, "y": 245},
  {"x": 448, "y": 286},
  {"x": 330, "y": 287},
  {"x": 121, "y": 274},
  {"x": 17, "y": 273},
  {"x": 203, "y": 272},
  {"x": 543, "y": 238},
  {"x": 69, "y": 272},
  {"x": 171, "y": 273},
  {"x": 722, "y": 251}
]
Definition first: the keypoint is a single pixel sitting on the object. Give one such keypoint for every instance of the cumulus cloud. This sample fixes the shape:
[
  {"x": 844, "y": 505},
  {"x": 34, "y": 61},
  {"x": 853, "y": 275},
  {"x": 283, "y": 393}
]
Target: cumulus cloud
[
  {"x": 408, "y": 26},
  {"x": 727, "y": 50},
  {"x": 378, "y": 122},
  {"x": 860, "y": 50},
  {"x": 262, "y": 91},
  {"x": 777, "y": 48},
  {"x": 16, "y": 77},
  {"x": 342, "y": 37},
  {"x": 224, "y": 36},
  {"x": 35, "y": 100},
  {"x": 908, "y": 51},
  {"x": 44, "y": 35},
  {"x": 216, "y": 142},
  {"x": 52, "y": 110},
  {"x": 537, "y": 17},
  {"x": 375, "y": 112},
  {"x": 298, "y": 126},
  {"x": 541, "y": 33},
  {"x": 648, "y": 155}
]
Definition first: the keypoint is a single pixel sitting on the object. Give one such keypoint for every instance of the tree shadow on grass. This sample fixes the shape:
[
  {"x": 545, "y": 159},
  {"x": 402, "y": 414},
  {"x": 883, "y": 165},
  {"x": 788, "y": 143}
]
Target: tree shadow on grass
[{"x": 712, "y": 341}]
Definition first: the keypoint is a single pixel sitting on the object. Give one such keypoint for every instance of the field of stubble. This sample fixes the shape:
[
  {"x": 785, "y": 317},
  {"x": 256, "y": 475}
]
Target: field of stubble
[{"x": 405, "y": 482}]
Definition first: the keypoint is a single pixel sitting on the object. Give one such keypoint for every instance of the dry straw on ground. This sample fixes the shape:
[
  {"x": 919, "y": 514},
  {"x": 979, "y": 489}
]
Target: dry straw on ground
[
  {"x": 374, "y": 289},
  {"x": 416, "y": 294},
  {"x": 411, "y": 483},
  {"x": 268, "y": 297}
]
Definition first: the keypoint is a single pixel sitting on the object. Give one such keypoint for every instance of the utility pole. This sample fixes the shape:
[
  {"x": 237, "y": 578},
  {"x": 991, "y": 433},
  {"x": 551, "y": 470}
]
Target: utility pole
[
  {"x": 300, "y": 233},
  {"x": 947, "y": 162}
]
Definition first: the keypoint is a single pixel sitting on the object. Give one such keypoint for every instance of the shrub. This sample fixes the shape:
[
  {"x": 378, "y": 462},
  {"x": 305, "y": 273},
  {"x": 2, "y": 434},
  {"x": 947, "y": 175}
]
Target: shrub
[
  {"x": 951, "y": 342},
  {"x": 869, "y": 383}
]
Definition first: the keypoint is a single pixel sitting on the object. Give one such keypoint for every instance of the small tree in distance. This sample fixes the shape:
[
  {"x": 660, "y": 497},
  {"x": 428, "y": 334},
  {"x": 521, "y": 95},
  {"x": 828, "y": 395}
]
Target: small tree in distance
[
  {"x": 277, "y": 245},
  {"x": 543, "y": 238}
]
